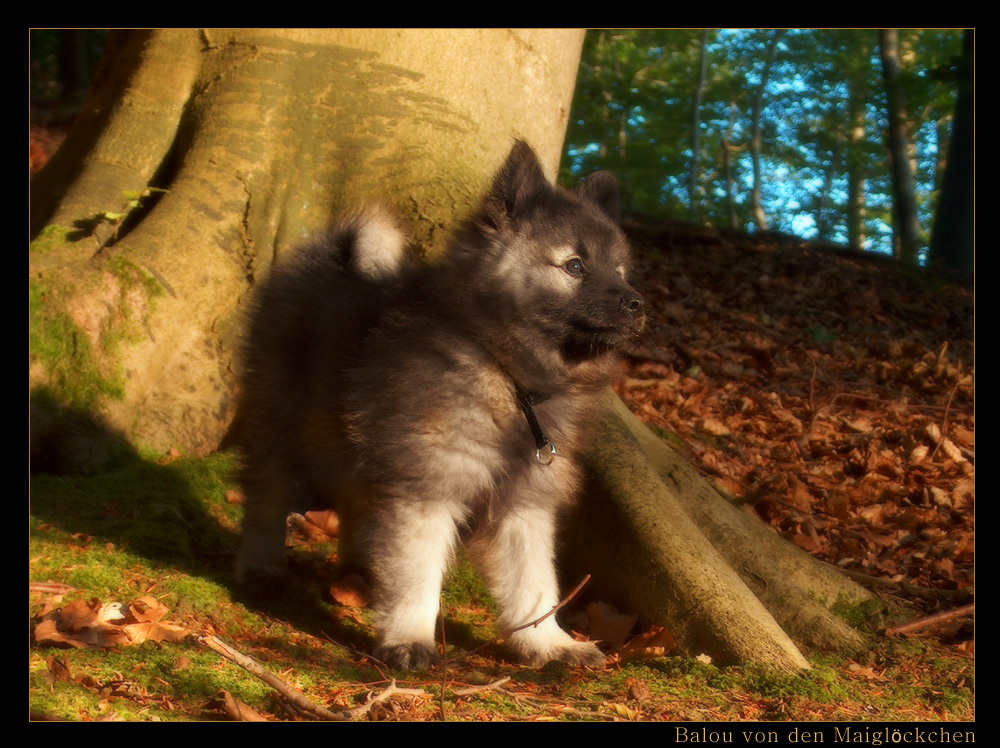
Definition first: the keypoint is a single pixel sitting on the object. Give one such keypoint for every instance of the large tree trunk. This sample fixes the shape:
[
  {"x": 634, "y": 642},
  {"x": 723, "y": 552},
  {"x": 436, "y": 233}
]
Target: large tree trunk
[{"x": 255, "y": 138}]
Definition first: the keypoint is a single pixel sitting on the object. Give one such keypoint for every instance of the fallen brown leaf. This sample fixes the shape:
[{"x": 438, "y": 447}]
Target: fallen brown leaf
[
  {"x": 351, "y": 590},
  {"x": 608, "y": 625},
  {"x": 83, "y": 623},
  {"x": 656, "y": 642}
]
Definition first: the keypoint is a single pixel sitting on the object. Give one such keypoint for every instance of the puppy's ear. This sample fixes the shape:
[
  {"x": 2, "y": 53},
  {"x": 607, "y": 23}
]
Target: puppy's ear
[
  {"x": 517, "y": 186},
  {"x": 601, "y": 188}
]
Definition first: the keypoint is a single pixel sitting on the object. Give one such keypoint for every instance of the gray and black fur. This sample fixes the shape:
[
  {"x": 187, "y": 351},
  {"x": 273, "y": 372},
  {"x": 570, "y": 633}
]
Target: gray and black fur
[{"x": 393, "y": 391}]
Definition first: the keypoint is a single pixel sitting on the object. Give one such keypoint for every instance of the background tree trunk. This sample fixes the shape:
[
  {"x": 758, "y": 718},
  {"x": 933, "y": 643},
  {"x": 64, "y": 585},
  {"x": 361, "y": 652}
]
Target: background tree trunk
[
  {"x": 694, "y": 191},
  {"x": 257, "y": 136},
  {"x": 907, "y": 222},
  {"x": 953, "y": 241},
  {"x": 757, "y": 131},
  {"x": 855, "y": 161}
]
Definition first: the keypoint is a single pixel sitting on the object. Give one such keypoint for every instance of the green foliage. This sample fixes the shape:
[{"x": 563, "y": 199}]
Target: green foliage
[{"x": 632, "y": 114}]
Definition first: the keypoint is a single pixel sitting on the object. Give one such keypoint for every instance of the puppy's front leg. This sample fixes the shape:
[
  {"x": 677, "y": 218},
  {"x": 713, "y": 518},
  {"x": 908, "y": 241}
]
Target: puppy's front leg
[
  {"x": 412, "y": 544},
  {"x": 517, "y": 559}
]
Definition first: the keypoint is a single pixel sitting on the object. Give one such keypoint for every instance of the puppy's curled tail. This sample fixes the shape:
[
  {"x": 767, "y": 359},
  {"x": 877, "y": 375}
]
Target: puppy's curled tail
[{"x": 372, "y": 244}]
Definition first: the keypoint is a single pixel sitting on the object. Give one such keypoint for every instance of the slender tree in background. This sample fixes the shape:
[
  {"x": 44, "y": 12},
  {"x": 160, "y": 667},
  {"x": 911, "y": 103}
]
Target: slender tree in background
[
  {"x": 907, "y": 223},
  {"x": 245, "y": 142},
  {"x": 953, "y": 238},
  {"x": 728, "y": 170},
  {"x": 632, "y": 113},
  {"x": 757, "y": 129},
  {"x": 694, "y": 192},
  {"x": 859, "y": 55}
]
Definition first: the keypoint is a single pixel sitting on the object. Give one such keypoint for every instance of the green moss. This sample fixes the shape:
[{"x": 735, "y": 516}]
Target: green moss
[
  {"x": 131, "y": 275},
  {"x": 864, "y": 615},
  {"x": 50, "y": 238},
  {"x": 668, "y": 436},
  {"x": 73, "y": 375},
  {"x": 775, "y": 684},
  {"x": 76, "y": 375}
]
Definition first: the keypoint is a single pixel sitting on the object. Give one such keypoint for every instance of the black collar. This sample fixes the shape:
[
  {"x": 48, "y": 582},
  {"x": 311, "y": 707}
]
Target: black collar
[{"x": 545, "y": 450}]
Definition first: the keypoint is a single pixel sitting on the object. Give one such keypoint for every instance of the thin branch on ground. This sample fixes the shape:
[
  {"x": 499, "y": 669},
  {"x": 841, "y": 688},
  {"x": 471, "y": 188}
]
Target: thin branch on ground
[
  {"x": 470, "y": 690},
  {"x": 296, "y": 697},
  {"x": 444, "y": 658},
  {"x": 909, "y": 588},
  {"x": 942, "y": 617}
]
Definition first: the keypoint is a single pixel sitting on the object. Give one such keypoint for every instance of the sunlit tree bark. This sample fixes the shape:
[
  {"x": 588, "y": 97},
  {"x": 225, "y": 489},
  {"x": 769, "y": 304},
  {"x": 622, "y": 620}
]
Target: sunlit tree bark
[{"x": 255, "y": 137}]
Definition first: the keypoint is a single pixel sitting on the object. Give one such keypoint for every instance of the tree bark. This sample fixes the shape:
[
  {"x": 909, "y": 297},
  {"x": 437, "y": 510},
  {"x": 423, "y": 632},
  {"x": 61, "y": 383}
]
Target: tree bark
[
  {"x": 694, "y": 193},
  {"x": 727, "y": 167},
  {"x": 856, "y": 101},
  {"x": 257, "y": 136}
]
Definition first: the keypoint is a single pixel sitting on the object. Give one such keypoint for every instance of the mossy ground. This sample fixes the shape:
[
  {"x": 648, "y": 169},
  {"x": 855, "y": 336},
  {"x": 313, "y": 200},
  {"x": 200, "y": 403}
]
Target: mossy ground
[{"x": 169, "y": 529}]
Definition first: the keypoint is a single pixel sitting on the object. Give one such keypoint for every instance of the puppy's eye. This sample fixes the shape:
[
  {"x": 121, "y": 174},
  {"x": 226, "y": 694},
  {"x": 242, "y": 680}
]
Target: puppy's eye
[{"x": 574, "y": 266}]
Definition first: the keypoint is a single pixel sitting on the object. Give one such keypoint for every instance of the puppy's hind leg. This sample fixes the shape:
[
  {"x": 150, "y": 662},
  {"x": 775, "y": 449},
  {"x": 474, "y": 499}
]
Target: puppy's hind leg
[
  {"x": 517, "y": 559},
  {"x": 261, "y": 560}
]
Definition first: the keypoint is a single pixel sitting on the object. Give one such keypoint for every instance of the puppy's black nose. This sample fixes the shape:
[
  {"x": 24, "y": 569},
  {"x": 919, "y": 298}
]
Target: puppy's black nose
[{"x": 631, "y": 303}]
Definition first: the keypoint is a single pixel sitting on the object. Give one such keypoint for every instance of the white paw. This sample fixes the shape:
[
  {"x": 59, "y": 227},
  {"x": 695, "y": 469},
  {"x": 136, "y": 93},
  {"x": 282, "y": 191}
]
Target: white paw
[{"x": 536, "y": 648}]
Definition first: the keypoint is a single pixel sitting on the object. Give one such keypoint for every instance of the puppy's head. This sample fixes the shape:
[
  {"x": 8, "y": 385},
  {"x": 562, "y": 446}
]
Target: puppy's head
[{"x": 560, "y": 257}]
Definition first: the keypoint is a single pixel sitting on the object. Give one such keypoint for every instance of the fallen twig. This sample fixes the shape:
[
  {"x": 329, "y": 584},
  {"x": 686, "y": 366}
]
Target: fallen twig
[
  {"x": 296, "y": 697},
  {"x": 944, "y": 421},
  {"x": 444, "y": 660},
  {"x": 479, "y": 689},
  {"x": 392, "y": 689},
  {"x": 942, "y": 617},
  {"x": 288, "y": 691},
  {"x": 898, "y": 585}
]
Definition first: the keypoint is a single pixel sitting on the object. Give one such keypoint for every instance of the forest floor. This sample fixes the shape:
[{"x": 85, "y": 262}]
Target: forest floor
[{"x": 830, "y": 393}]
